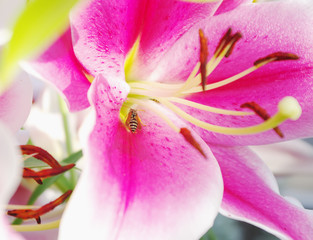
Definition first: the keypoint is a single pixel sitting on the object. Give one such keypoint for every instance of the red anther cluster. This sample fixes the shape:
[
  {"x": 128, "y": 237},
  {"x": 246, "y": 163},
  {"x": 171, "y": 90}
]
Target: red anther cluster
[
  {"x": 44, "y": 156},
  {"x": 226, "y": 40},
  {"x": 277, "y": 56},
  {"x": 261, "y": 112},
  {"x": 36, "y": 213}
]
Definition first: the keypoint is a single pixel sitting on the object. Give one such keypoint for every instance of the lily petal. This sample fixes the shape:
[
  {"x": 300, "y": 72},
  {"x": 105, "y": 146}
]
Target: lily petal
[
  {"x": 287, "y": 158},
  {"x": 266, "y": 28},
  {"x": 16, "y": 102},
  {"x": 102, "y": 45},
  {"x": 165, "y": 22},
  {"x": 149, "y": 184},
  {"x": 104, "y": 32},
  {"x": 228, "y": 5},
  {"x": 10, "y": 176},
  {"x": 58, "y": 65},
  {"x": 250, "y": 195}
]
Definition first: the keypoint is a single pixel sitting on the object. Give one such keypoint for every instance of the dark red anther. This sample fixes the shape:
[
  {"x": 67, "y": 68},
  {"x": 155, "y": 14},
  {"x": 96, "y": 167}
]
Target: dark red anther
[
  {"x": 261, "y": 112},
  {"x": 40, "y": 154},
  {"x": 226, "y": 40},
  {"x": 189, "y": 138},
  {"x": 29, "y": 173},
  {"x": 223, "y": 42},
  {"x": 277, "y": 56},
  {"x": 36, "y": 213},
  {"x": 203, "y": 57},
  {"x": 235, "y": 38}
]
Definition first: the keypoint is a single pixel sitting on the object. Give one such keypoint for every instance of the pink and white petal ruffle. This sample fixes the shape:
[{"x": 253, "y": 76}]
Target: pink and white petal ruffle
[
  {"x": 148, "y": 185},
  {"x": 104, "y": 32},
  {"x": 228, "y": 5},
  {"x": 15, "y": 102},
  {"x": 59, "y": 66},
  {"x": 10, "y": 176},
  {"x": 251, "y": 195}
]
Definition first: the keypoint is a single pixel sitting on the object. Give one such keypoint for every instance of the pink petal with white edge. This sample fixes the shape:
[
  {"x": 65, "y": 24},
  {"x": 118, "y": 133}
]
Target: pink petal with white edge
[
  {"x": 104, "y": 32},
  {"x": 266, "y": 28},
  {"x": 147, "y": 185},
  {"x": 15, "y": 103},
  {"x": 287, "y": 158},
  {"x": 60, "y": 67},
  {"x": 228, "y": 5},
  {"x": 250, "y": 195},
  {"x": 10, "y": 176}
]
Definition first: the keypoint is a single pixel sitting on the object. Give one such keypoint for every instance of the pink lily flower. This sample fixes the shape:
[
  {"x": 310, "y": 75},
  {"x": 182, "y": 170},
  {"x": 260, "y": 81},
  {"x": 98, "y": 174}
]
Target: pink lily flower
[{"x": 148, "y": 177}]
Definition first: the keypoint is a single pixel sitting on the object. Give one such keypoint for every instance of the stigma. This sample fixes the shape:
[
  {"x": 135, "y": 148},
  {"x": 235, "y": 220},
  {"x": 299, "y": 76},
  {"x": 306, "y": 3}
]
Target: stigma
[{"x": 150, "y": 94}]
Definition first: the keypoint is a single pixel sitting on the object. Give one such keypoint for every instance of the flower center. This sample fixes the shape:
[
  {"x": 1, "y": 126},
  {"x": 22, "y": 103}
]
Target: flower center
[{"x": 150, "y": 94}]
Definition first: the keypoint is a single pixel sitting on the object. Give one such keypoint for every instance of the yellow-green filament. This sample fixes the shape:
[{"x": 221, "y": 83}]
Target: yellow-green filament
[
  {"x": 208, "y": 108},
  {"x": 36, "y": 227},
  {"x": 216, "y": 59},
  {"x": 190, "y": 82},
  {"x": 223, "y": 82},
  {"x": 288, "y": 109}
]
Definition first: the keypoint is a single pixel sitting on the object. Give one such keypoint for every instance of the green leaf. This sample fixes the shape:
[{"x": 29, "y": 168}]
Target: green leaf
[
  {"x": 39, "y": 25},
  {"x": 46, "y": 183},
  {"x": 209, "y": 236},
  {"x": 34, "y": 163},
  {"x": 72, "y": 158}
]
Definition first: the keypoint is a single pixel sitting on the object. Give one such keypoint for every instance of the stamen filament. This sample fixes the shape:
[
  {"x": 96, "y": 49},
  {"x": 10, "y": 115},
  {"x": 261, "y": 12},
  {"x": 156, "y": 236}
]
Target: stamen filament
[
  {"x": 218, "y": 56},
  {"x": 208, "y": 108},
  {"x": 282, "y": 115},
  {"x": 223, "y": 82},
  {"x": 190, "y": 82},
  {"x": 37, "y": 227}
]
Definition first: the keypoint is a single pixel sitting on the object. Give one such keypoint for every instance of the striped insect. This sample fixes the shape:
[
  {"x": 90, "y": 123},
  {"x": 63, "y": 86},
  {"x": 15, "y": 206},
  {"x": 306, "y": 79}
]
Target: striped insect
[{"x": 133, "y": 122}]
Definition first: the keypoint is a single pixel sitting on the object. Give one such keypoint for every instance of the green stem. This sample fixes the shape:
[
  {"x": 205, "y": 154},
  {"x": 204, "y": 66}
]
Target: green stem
[
  {"x": 65, "y": 126},
  {"x": 209, "y": 236},
  {"x": 69, "y": 149}
]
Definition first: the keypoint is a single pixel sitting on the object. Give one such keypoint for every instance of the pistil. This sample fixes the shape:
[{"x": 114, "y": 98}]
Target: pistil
[{"x": 288, "y": 108}]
